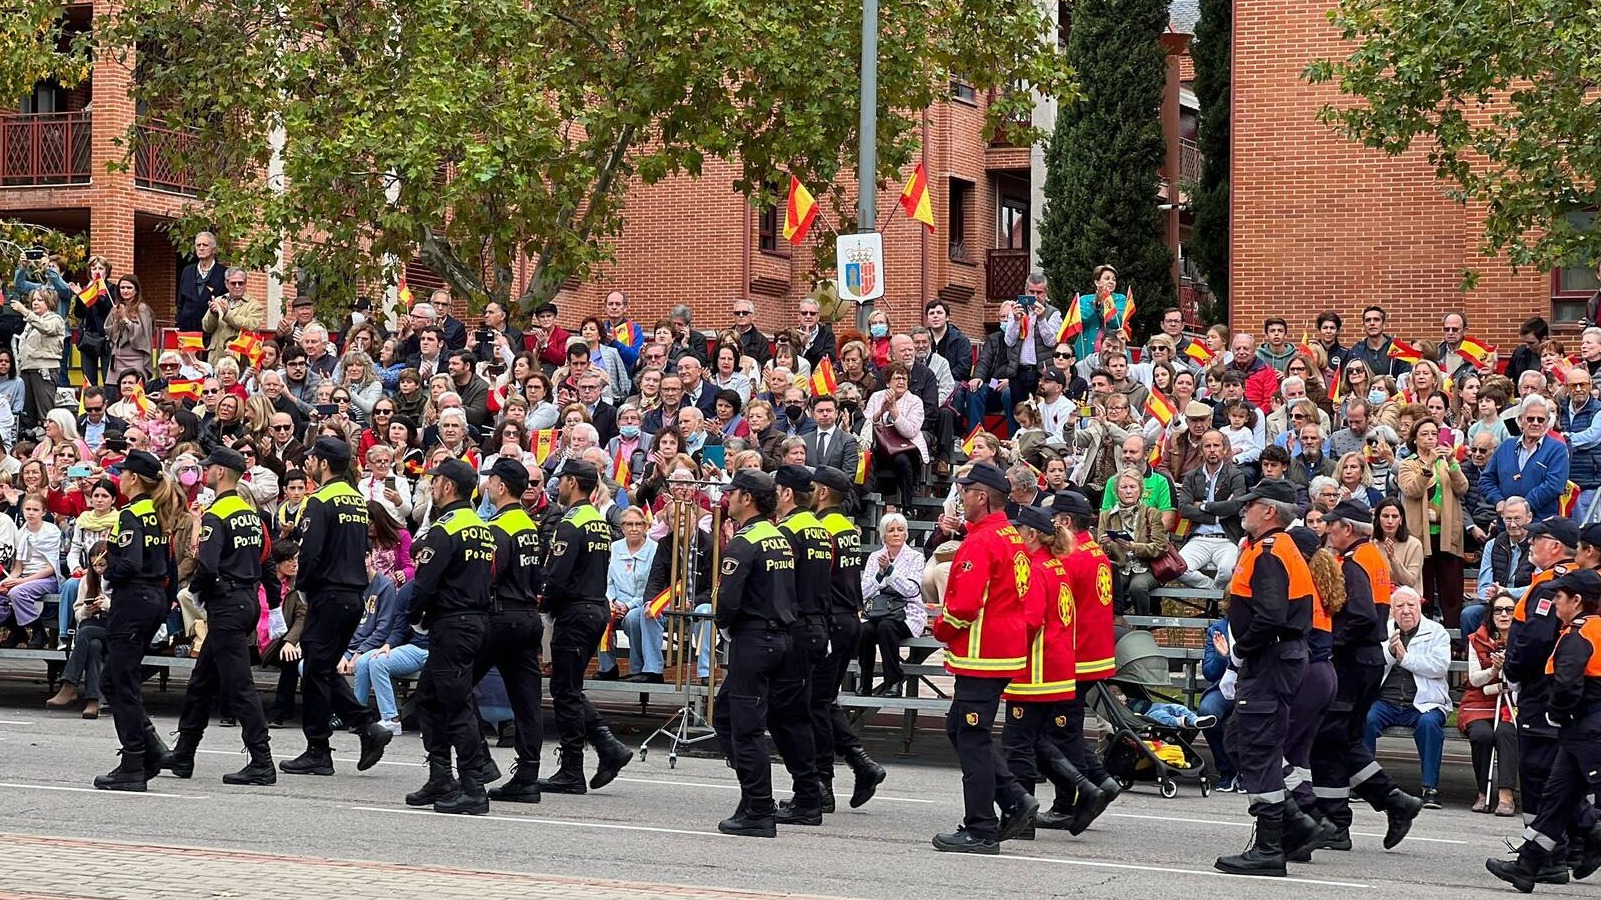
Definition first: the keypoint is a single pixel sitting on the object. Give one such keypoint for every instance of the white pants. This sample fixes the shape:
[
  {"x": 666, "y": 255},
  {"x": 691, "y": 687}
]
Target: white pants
[{"x": 1216, "y": 550}]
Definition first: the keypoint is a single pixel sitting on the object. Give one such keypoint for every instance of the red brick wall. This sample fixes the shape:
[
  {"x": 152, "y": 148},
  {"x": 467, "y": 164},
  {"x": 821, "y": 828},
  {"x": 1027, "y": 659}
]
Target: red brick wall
[{"x": 1318, "y": 222}]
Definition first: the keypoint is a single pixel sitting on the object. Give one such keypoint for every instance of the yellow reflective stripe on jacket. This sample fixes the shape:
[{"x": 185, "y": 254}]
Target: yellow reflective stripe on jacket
[
  {"x": 227, "y": 506},
  {"x": 460, "y": 520},
  {"x": 336, "y": 488},
  {"x": 1092, "y": 666},
  {"x": 976, "y": 662},
  {"x": 1054, "y": 687},
  {"x": 583, "y": 515}
]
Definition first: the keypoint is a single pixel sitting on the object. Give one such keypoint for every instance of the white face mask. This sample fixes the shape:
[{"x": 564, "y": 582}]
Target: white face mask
[{"x": 357, "y": 318}]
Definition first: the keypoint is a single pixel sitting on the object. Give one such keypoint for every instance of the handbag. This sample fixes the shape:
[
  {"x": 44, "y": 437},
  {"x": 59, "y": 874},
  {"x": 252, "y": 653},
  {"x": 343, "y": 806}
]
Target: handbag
[
  {"x": 1170, "y": 565},
  {"x": 93, "y": 344},
  {"x": 883, "y": 605},
  {"x": 890, "y": 441}
]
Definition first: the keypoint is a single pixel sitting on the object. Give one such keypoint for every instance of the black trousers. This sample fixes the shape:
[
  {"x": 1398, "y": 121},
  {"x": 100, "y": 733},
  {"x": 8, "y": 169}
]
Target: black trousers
[
  {"x": 222, "y": 671},
  {"x": 1575, "y": 775},
  {"x": 445, "y": 689},
  {"x": 755, "y": 659},
  {"x": 1307, "y": 711},
  {"x": 882, "y": 638},
  {"x": 789, "y": 716},
  {"x": 1027, "y": 724},
  {"x": 1537, "y": 756},
  {"x": 134, "y": 620},
  {"x": 1341, "y": 761},
  {"x": 513, "y": 644},
  {"x": 903, "y": 466},
  {"x": 40, "y": 395},
  {"x": 1262, "y": 701},
  {"x": 1073, "y": 743},
  {"x": 986, "y": 780},
  {"x": 331, "y": 620},
  {"x": 283, "y": 704},
  {"x": 574, "y": 638},
  {"x": 1484, "y": 737},
  {"x": 830, "y": 729}
]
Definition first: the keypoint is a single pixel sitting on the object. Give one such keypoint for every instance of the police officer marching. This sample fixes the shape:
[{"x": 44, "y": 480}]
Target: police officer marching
[
  {"x": 139, "y": 569},
  {"x": 227, "y": 579},
  {"x": 991, "y": 582},
  {"x": 789, "y": 717},
  {"x": 450, "y": 603},
  {"x": 755, "y": 611},
  {"x": 575, "y": 595},
  {"x": 332, "y": 579},
  {"x": 1269, "y": 615},
  {"x": 830, "y": 729},
  {"x": 515, "y": 627}
]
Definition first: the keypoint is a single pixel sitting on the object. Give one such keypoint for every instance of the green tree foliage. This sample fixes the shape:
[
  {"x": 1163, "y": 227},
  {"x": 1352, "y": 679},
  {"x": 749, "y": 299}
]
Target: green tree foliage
[
  {"x": 1212, "y": 51},
  {"x": 35, "y": 46},
  {"x": 1101, "y": 201},
  {"x": 475, "y": 131},
  {"x": 1503, "y": 93}
]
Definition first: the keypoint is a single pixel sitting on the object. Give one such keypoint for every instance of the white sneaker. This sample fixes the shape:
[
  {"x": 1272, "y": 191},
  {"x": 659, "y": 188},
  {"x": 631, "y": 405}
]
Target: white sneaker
[{"x": 392, "y": 726}]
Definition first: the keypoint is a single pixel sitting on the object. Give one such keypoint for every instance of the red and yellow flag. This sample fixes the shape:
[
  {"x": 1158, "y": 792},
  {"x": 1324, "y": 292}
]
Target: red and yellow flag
[
  {"x": 914, "y": 197},
  {"x": 1339, "y": 385},
  {"x": 1072, "y": 322},
  {"x": 191, "y": 340},
  {"x": 91, "y": 294},
  {"x": 1158, "y": 406},
  {"x": 800, "y": 211},
  {"x": 142, "y": 403},
  {"x": 1405, "y": 352},
  {"x": 1476, "y": 350},
  {"x": 184, "y": 387},
  {"x": 1199, "y": 352},
  {"x": 823, "y": 380},
  {"x": 403, "y": 293},
  {"x": 1128, "y": 312},
  {"x": 1569, "y": 500},
  {"x": 608, "y": 638},
  {"x": 861, "y": 468},
  {"x": 967, "y": 442},
  {"x": 247, "y": 345},
  {"x": 544, "y": 444},
  {"x": 659, "y": 603},
  {"x": 620, "y": 469}
]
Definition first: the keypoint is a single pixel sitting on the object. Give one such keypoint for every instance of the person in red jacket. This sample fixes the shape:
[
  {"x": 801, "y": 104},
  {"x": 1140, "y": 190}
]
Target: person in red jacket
[
  {"x": 992, "y": 609},
  {"x": 1261, "y": 379}
]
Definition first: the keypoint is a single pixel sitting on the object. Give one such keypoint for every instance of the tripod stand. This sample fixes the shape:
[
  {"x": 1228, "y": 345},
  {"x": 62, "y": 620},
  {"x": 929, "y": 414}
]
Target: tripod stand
[{"x": 693, "y": 563}]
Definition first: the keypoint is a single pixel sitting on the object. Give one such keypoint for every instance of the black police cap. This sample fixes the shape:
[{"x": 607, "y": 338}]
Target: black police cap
[
  {"x": 832, "y": 478},
  {"x": 331, "y": 449},
  {"x": 988, "y": 475},
  {"x": 226, "y": 457},
  {"x": 797, "y": 478},
  {"x": 142, "y": 464},
  {"x": 753, "y": 481},
  {"x": 1070, "y": 503},
  {"x": 458, "y": 472},
  {"x": 1580, "y": 582},
  {"x": 1561, "y": 528},
  {"x": 1036, "y": 518},
  {"x": 512, "y": 472},
  {"x": 581, "y": 471},
  {"x": 1349, "y": 511},
  {"x": 1276, "y": 489}
]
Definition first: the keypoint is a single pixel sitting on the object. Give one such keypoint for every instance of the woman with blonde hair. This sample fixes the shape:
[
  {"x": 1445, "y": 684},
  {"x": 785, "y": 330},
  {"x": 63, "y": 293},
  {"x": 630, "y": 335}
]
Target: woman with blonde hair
[
  {"x": 357, "y": 375},
  {"x": 1133, "y": 536}
]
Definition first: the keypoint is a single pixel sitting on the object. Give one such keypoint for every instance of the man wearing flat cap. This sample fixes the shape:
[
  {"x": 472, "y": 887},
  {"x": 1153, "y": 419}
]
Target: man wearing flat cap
[
  {"x": 575, "y": 596},
  {"x": 333, "y": 578},
  {"x": 450, "y": 603},
  {"x": 1269, "y": 616},
  {"x": 992, "y": 609},
  {"x": 228, "y": 575},
  {"x": 755, "y": 612}
]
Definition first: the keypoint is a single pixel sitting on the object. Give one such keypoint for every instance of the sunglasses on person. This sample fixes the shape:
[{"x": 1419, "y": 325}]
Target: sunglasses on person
[
  {"x": 741, "y": 313},
  {"x": 383, "y": 412},
  {"x": 1062, "y": 355},
  {"x": 95, "y": 409},
  {"x": 283, "y": 428},
  {"x": 1505, "y": 610},
  {"x": 1534, "y": 420}
]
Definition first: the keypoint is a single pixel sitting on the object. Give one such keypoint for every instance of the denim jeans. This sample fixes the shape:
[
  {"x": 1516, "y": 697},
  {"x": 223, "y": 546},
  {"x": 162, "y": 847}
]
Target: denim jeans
[
  {"x": 1213, "y": 703},
  {"x": 1472, "y": 617},
  {"x": 69, "y": 596},
  {"x": 373, "y": 673},
  {"x": 644, "y": 643},
  {"x": 985, "y": 398},
  {"x": 705, "y": 642},
  {"x": 1428, "y": 732}
]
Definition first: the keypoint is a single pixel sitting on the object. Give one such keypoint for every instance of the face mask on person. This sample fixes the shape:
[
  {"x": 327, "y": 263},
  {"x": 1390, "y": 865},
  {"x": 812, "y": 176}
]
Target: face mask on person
[
  {"x": 628, "y": 431},
  {"x": 188, "y": 477},
  {"x": 795, "y": 412},
  {"x": 879, "y": 330},
  {"x": 357, "y": 318},
  {"x": 849, "y": 408},
  {"x": 1377, "y": 396}
]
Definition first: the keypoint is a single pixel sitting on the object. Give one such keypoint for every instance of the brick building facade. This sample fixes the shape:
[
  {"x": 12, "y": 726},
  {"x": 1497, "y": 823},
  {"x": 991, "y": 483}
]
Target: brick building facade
[{"x": 1318, "y": 222}]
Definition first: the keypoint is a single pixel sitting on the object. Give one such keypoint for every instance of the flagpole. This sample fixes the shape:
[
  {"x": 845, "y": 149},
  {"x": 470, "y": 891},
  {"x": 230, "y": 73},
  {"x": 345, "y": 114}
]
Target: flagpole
[{"x": 867, "y": 132}]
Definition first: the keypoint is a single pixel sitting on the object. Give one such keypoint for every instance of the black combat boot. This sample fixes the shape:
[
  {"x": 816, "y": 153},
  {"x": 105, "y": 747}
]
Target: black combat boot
[
  {"x": 1020, "y": 818},
  {"x": 316, "y": 760},
  {"x": 258, "y": 771},
  {"x": 441, "y": 783},
  {"x": 614, "y": 754},
  {"x": 754, "y": 819},
  {"x": 827, "y": 778},
  {"x": 1400, "y": 808},
  {"x": 486, "y": 773},
  {"x": 523, "y": 786},
  {"x": 1304, "y": 834},
  {"x": 129, "y": 775},
  {"x": 1265, "y": 856},
  {"x": 569, "y": 779},
  {"x": 374, "y": 738},
  {"x": 468, "y": 799},
  {"x": 804, "y": 808},
  {"x": 180, "y": 760},
  {"x": 1589, "y": 855},
  {"x": 869, "y": 775},
  {"x": 1525, "y": 871},
  {"x": 156, "y": 752}
]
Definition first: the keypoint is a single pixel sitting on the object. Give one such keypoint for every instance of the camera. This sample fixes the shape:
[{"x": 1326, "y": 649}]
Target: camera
[
  {"x": 486, "y": 344},
  {"x": 35, "y": 254}
]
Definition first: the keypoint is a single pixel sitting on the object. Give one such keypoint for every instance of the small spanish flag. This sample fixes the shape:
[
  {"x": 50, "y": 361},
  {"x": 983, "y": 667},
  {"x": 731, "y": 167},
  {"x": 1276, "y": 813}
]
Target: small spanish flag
[
  {"x": 1201, "y": 353},
  {"x": 403, "y": 292},
  {"x": 1339, "y": 385},
  {"x": 191, "y": 340},
  {"x": 1155, "y": 456},
  {"x": 1569, "y": 500},
  {"x": 800, "y": 211},
  {"x": 1405, "y": 352},
  {"x": 142, "y": 403},
  {"x": 1477, "y": 351},
  {"x": 608, "y": 638},
  {"x": 914, "y": 197},
  {"x": 1305, "y": 346},
  {"x": 620, "y": 469},
  {"x": 1072, "y": 322},
  {"x": 184, "y": 387},
  {"x": 247, "y": 345},
  {"x": 967, "y": 442},
  {"x": 544, "y": 444},
  {"x": 824, "y": 383},
  {"x": 1128, "y": 311},
  {"x": 861, "y": 468},
  {"x": 623, "y": 333},
  {"x": 659, "y": 603},
  {"x": 1159, "y": 407},
  {"x": 91, "y": 294}
]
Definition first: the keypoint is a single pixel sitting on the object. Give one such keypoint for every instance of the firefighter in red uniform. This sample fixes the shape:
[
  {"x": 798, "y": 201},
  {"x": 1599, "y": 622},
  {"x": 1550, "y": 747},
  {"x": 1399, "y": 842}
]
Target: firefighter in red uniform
[
  {"x": 1036, "y": 700},
  {"x": 1089, "y": 578},
  {"x": 1573, "y": 706},
  {"x": 992, "y": 608},
  {"x": 1269, "y": 615}
]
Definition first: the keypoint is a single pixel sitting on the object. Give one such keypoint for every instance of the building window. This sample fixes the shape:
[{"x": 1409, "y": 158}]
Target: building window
[
  {"x": 1573, "y": 285},
  {"x": 961, "y": 201},
  {"x": 767, "y": 223},
  {"x": 962, "y": 91}
]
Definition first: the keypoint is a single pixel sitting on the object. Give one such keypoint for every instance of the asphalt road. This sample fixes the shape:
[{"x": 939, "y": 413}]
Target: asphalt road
[{"x": 657, "y": 824}]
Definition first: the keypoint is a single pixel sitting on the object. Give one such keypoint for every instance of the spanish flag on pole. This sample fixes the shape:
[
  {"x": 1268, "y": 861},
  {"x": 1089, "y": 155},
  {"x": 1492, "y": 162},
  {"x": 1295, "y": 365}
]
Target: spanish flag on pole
[
  {"x": 1199, "y": 352},
  {"x": 824, "y": 383},
  {"x": 620, "y": 469},
  {"x": 1475, "y": 350},
  {"x": 1159, "y": 407},
  {"x": 1405, "y": 352},
  {"x": 1072, "y": 322},
  {"x": 659, "y": 603},
  {"x": 861, "y": 468},
  {"x": 191, "y": 340},
  {"x": 92, "y": 294},
  {"x": 247, "y": 345},
  {"x": 914, "y": 198},
  {"x": 544, "y": 444},
  {"x": 184, "y": 387},
  {"x": 403, "y": 293},
  {"x": 799, "y": 213},
  {"x": 967, "y": 442}
]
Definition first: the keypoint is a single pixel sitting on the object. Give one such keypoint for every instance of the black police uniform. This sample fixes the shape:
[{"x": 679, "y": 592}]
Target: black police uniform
[
  {"x": 227, "y": 581},
  {"x": 830, "y": 729},
  {"x": 789, "y": 717},
  {"x": 575, "y": 596},
  {"x": 516, "y": 633},
  {"x": 755, "y": 608},
  {"x": 332, "y": 579},
  {"x": 450, "y": 602},
  {"x": 138, "y": 566}
]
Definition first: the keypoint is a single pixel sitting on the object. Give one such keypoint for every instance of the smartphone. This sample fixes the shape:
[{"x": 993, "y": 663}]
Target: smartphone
[
  {"x": 390, "y": 482},
  {"x": 716, "y": 455},
  {"x": 80, "y": 471},
  {"x": 327, "y": 409}
]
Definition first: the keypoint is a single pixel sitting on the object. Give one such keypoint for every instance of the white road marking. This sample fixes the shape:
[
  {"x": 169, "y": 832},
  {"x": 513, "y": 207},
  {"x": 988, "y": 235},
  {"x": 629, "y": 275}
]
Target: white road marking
[
  {"x": 1410, "y": 837},
  {"x": 1096, "y": 864},
  {"x": 93, "y": 790},
  {"x": 14, "y": 722},
  {"x": 735, "y": 787},
  {"x": 531, "y": 821}
]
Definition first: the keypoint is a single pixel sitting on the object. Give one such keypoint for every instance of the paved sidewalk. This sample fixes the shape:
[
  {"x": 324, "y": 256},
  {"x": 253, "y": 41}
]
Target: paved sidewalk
[{"x": 51, "y": 868}]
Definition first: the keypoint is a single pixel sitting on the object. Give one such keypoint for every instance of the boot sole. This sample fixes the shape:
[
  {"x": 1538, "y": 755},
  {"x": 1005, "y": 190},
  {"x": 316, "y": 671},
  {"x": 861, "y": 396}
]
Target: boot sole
[
  {"x": 327, "y": 771},
  {"x": 545, "y": 789},
  {"x": 864, "y": 790},
  {"x": 809, "y": 821},
  {"x": 609, "y": 773},
  {"x": 249, "y": 782},
  {"x": 1522, "y": 887},
  {"x": 475, "y": 811},
  {"x": 745, "y": 832},
  {"x": 514, "y": 798},
  {"x": 130, "y": 787},
  {"x": 1275, "y": 873},
  {"x": 976, "y": 849}
]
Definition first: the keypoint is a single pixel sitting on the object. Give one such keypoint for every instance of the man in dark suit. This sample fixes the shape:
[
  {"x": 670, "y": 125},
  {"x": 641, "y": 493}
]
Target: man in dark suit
[
  {"x": 689, "y": 340},
  {"x": 817, "y": 337},
  {"x": 602, "y": 415},
  {"x": 201, "y": 282},
  {"x": 791, "y": 417},
  {"x": 698, "y": 392},
  {"x": 94, "y": 423},
  {"x": 830, "y": 445},
  {"x": 666, "y": 413},
  {"x": 752, "y": 342},
  {"x": 444, "y": 306}
]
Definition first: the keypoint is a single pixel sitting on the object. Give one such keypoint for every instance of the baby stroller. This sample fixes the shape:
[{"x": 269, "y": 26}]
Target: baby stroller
[{"x": 1140, "y": 748}]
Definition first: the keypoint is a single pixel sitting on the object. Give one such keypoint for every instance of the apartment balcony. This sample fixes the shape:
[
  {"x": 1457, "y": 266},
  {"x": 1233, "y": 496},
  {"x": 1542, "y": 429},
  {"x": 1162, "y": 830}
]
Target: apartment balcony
[
  {"x": 1189, "y": 160},
  {"x": 1005, "y": 271},
  {"x": 155, "y": 159},
  {"x": 45, "y": 149}
]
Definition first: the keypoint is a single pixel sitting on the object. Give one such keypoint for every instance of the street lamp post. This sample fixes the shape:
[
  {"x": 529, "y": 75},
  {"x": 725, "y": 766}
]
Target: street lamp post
[{"x": 867, "y": 130}]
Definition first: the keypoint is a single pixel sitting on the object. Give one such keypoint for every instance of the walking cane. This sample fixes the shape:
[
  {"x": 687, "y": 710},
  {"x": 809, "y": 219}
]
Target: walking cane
[{"x": 1495, "y": 723}]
